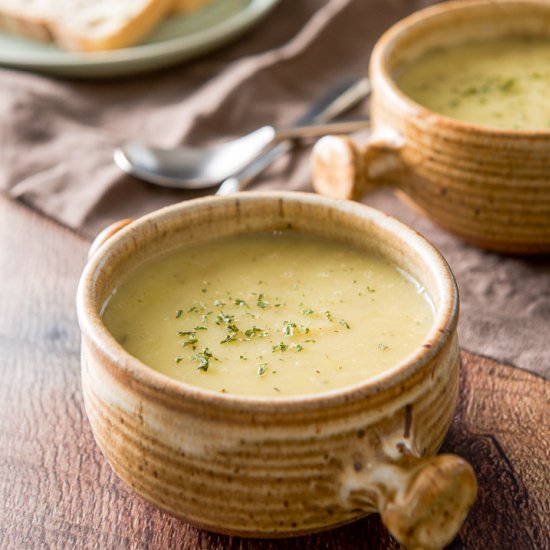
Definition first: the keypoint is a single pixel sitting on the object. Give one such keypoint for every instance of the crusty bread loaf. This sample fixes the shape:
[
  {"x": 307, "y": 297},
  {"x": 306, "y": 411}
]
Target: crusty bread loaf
[
  {"x": 187, "y": 6},
  {"x": 89, "y": 25}
]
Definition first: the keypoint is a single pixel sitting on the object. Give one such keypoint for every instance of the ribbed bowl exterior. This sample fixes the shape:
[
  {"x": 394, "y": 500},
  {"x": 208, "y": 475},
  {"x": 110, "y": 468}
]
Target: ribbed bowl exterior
[
  {"x": 490, "y": 186},
  {"x": 273, "y": 467},
  {"x": 257, "y": 474},
  {"x": 491, "y": 190}
]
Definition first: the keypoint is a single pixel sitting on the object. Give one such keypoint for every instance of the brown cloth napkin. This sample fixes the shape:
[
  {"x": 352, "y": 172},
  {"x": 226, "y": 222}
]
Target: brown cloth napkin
[{"x": 57, "y": 138}]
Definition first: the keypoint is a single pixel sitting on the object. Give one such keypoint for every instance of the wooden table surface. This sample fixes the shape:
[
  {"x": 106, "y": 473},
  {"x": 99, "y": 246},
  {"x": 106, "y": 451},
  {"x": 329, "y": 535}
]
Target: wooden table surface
[{"x": 57, "y": 491}]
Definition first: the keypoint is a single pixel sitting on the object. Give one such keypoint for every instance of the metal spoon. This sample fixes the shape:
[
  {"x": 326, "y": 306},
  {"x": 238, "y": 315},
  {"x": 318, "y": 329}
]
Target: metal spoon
[{"x": 197, "y": 168}]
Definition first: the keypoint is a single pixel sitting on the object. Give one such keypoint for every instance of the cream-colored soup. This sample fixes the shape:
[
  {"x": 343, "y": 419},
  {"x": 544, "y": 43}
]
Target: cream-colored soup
[
  {"x": 503, "y": 83},
  {"x": 269, "y": 315}
]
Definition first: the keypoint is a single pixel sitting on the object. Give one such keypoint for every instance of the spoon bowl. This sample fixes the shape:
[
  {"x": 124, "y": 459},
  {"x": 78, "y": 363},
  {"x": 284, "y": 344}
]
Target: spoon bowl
[{"x": 192, "y": 167}]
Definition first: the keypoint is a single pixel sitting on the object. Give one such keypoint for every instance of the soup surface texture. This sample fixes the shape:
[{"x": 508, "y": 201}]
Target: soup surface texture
[
  {"x": 503, "y": 83},
  {"x": 269, "y": 315}
]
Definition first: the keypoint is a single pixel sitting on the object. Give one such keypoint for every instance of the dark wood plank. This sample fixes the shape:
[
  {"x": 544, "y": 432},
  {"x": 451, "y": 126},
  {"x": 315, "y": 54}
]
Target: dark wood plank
[
  {"x": 56, "y": 490},
  {"x": 502, "y": 427}
]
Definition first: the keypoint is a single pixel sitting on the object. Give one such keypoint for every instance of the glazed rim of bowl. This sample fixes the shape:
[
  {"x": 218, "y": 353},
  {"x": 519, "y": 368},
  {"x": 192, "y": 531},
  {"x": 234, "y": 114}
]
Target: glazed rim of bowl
[
  {"x": 90, "y": 300},
  {"x": 417, "y": 27}
]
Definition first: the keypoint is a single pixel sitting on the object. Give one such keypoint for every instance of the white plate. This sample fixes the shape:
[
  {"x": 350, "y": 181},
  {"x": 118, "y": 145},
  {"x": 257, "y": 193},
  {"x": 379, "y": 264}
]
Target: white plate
[{"x": 179, "y": 38}]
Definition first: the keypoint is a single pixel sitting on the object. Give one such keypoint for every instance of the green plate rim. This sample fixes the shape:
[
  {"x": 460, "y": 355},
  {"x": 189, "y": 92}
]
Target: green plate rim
[{"x": 187, "y": 46}]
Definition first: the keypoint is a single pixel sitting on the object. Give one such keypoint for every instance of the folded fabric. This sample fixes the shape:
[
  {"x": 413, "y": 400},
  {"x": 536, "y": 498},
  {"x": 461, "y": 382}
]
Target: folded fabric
[{"x": 57, "y": 136}]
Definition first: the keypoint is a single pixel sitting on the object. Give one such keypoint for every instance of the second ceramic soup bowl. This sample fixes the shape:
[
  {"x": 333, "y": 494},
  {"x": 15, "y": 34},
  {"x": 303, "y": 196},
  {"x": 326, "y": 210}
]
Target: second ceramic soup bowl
[
  {"x": 488, "y": 185},
  {"x": 273, "y": 467}
]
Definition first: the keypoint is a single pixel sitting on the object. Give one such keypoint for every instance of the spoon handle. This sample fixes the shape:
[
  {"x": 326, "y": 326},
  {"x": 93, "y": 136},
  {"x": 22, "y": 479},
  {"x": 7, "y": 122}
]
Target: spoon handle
[
  {"x": 336, "y": 102},
  {"x": 320, "y": 129}
]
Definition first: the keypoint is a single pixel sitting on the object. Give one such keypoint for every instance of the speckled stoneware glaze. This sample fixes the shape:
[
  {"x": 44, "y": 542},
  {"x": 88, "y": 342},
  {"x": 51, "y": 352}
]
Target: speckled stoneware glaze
[
  {"x": 274, "y": 467},
  {"x": 487, "y": 185}
]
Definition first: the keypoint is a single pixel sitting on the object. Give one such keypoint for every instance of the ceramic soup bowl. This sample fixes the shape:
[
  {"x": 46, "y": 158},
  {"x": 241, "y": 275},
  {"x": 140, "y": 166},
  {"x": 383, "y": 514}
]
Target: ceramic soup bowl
[
  {"x": 274, "y": 467},
  {"x": 489, "y": 186}
]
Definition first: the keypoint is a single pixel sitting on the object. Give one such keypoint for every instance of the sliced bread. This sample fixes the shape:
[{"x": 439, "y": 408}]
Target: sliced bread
[
  {"x": 84, "y": 25},
  {"x": 105, "y": 24}
]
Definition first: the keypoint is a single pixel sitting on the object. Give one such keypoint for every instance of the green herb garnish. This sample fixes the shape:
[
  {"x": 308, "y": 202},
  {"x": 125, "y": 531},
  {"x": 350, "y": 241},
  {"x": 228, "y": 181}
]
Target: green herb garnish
[
  {"x": 261, "y": 303},
  {"x": 507, "y": 85},
  {"x": 179, "y": 313},
  {"x": 262, "y": 369},
  {"x": 344, "y": 323},
  {"x": 224, "y": 318},
  {"x": 240, "y": 302},
  {"x": 255, "y": 331},
  {"x": 307, "y": 312},
  {"x": 232, "y": 333},
  {"x": 382, "y": 347},
  {"x": 328, "y": 315},
  {"x": 281, "y": 346},
  {"x": 203, "y": 359},
  {"x": 288, "y": 328}
]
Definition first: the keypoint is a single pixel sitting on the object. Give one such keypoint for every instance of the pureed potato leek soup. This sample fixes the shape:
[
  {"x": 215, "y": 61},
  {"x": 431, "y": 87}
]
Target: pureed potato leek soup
[
  {"x": 503, "y": 83},
  {"x": 269, "y": 315}
]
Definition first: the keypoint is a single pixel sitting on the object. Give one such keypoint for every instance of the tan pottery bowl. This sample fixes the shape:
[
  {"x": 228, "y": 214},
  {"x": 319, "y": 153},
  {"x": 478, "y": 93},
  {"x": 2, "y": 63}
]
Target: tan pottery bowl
[
  {"x": 489, "y": 186},
  {"x": 274, "y": 467}
]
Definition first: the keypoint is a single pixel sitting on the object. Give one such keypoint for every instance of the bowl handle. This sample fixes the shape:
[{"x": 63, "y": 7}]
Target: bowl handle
[
  {"x": 422, "y": 501},
  {"x": 106, "y": 234},
  {"x": 346, "y": 168}
]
